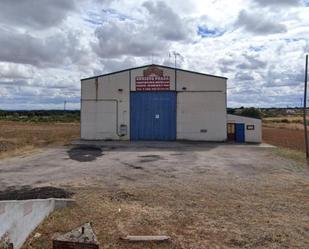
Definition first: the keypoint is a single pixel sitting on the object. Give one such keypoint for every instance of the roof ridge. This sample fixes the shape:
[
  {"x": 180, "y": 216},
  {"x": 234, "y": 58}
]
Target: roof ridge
[{"x": 148, "y": 65}]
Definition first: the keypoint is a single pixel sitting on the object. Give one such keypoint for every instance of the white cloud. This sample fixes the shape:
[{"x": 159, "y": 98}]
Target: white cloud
[
  {"x": 35, "y": 14},
  {"x": 121, "y": 35},
  {"x": 257, "y": 23},
  {"x": 47, "y": 46},
  {"x": 15, "y": 71},
  {"x": 278, "y": 2},
  {"x": 165, "y": 23},
  {"x": 26, "y": 49}
]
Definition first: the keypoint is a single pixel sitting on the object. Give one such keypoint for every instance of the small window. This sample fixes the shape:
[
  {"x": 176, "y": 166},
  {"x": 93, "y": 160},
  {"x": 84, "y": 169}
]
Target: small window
[{"x": 250, "y": 127}]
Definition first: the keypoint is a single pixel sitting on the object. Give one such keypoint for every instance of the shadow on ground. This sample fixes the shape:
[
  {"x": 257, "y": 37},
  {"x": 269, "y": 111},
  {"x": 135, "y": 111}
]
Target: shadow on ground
[
  {"x": 177, "y": 146},
  {"x": 27, "y": 193},
  {"x": 85, "y": 153}
]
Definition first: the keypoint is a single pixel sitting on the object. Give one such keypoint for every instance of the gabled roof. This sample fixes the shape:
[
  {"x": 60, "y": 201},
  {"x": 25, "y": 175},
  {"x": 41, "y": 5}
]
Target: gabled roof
[
  {"x": 133, "y": 68},
  {"x": 243, "y": 116}
]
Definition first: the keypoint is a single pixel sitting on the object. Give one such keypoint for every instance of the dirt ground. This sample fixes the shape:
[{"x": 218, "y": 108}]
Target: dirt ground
[
  {"x": 18, "y": 137},
  {"x": 203, "y": 195},
  {"x": 286, "y": 138},
  {"x": 288, "y": 134}
]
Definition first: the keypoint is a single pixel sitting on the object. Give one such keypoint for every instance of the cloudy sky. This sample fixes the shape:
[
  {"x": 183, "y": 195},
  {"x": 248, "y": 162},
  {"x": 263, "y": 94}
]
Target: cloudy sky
[{"x": 48, "y": 45}]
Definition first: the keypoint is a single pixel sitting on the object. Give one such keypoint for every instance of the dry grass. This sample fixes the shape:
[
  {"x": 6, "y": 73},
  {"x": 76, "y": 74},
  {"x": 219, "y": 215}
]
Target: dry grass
[
  {"x": 19, "y": 137},
  {"x": 290, "y": 126},
  {"x": 111, "y": 218},
  {"x": 285, "y": 122},
  {"x": 194, "y": 219},
  {"x": 291, "y": 118},
  {"x": 285, "y": 138},
  {"x": 295, "y": 155},
  {"x": 288, "y": 134}
]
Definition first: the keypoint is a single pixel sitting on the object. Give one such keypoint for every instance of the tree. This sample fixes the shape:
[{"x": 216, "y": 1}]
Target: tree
[
  {"x": 230, "y": 111},
  {"x": 251, "y": 112}
]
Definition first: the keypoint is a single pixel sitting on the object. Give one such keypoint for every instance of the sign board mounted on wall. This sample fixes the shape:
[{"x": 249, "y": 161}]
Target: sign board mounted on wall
[{"x": 152, "y": 80}]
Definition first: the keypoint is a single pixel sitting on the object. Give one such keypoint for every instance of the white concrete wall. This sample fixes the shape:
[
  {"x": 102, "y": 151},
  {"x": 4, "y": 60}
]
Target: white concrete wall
[
  {"x": 99, "y": 110},
  {"x": 198, "y": 111},
  {"x": 201, "y": 105},
  {"x": 99, "y": 120},
  {"x": 19, "y": 218},
  {"x": 253, "y": 136}
]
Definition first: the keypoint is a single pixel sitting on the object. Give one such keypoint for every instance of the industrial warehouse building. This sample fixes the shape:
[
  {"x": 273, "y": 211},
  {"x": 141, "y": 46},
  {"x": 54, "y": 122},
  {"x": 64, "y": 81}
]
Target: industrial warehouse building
[{"x": 155, "y": 102}]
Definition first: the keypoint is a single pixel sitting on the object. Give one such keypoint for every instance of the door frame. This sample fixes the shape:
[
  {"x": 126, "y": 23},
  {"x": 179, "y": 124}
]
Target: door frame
[{"x": 231, "y": 132}]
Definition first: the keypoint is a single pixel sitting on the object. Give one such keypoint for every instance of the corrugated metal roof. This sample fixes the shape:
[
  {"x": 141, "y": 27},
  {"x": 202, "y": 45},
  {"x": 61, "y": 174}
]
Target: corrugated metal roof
[{"x": 133, "y": 68}]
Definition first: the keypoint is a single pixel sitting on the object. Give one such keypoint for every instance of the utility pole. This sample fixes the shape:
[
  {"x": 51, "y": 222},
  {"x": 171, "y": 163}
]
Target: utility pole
[
  {"x": 64, "y": 105},
  {"x": 305, "y": 108}
]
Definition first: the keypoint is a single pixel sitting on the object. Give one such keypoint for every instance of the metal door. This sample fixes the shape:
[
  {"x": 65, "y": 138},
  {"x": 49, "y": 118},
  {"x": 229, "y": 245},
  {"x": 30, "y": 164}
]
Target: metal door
[
  {"x": 240, "y": 133},
  {"x": 153, "y": 115}
]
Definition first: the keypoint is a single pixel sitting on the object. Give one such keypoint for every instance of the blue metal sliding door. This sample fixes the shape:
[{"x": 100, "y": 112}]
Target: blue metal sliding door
[{"x": 153, "y": 115}]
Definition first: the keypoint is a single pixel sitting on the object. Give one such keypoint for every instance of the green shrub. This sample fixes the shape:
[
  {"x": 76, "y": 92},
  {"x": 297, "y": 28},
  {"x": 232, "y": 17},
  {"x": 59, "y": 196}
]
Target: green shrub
[
  {"x": 251, "y": 112},
  {"x": 285, "y": 120},
  {"x": 41, "y": 116}
]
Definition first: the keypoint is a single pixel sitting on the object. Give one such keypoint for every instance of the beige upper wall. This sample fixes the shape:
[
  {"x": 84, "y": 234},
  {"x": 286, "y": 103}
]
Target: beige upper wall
[
  {"x": 199, "y": 82},
  {"x": 109, "y": 84},
  {"x": 88, "y": 89},
  {"x": 191, "y": 80},
  {"x": 108, "y": 87}
]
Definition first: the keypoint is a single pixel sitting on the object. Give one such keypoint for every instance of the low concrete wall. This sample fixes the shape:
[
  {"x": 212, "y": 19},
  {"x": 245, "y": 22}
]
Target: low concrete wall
[{"x": 19, "y": 218}]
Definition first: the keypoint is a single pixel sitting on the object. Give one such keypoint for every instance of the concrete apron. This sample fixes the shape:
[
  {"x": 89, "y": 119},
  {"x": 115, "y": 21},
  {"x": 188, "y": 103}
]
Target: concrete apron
[
  {"x": 161, "y": 144},
  {"x": 19, "y": 218}
]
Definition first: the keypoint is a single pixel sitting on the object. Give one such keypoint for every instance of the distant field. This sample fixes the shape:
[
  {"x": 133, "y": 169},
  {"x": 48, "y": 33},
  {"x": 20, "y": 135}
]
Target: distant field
[
  {"x": 40, "y": 116},
  {"x": 286, "y": 138},
  {"x": 18, "y": 137},
  {"x": 285, "y": 119},
  {"x": 284, "y": 131},
  {"x": 285, "y": 122},
  {"x": 289, "y": 126}
]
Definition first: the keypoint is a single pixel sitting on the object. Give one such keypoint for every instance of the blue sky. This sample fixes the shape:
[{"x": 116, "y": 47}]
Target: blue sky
[{"x": 48, "y": 46}]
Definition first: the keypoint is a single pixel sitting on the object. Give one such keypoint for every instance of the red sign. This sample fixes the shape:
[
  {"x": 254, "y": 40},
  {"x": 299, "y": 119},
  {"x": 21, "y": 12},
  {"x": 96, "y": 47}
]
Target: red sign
[{"x": 152, "y": 80}]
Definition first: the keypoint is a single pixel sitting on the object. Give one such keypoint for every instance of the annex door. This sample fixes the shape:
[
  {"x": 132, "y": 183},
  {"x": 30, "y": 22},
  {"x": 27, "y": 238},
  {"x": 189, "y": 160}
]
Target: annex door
[
  {"x": 153, "y": 115},
  {"x": 240, "y": 133},
  {"x": 231, "y": 132}
]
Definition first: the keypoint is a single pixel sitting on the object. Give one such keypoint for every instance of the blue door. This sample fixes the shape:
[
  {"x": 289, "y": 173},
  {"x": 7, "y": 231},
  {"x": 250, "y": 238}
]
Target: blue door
[
  {"x": 240, "y": 133},
  {"x": 153, "y": 115}
]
